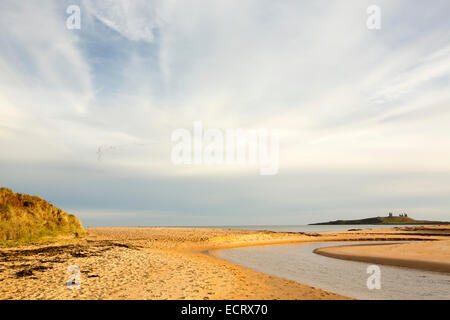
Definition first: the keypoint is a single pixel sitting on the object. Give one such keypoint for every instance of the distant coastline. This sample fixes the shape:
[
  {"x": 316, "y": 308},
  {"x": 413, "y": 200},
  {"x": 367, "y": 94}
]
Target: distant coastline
[{"x": 389, "y": 220}]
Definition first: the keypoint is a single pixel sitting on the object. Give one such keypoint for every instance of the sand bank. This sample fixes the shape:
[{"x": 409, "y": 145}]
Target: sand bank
[{"x": 433, "y": 256}]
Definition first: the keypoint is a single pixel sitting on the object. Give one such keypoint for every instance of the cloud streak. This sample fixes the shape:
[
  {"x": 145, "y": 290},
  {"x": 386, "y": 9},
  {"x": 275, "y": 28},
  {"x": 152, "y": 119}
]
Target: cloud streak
[{"x": 344, "y": 97}]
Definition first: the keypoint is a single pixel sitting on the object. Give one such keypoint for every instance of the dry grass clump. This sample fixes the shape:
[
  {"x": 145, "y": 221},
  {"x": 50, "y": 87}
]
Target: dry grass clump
[{"x": 26, "y": 219}]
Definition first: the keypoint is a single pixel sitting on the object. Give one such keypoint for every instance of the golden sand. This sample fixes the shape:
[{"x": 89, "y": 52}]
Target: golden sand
[
  {"x": 165, "y": 263},
  {"x": 428, "y": 255}
]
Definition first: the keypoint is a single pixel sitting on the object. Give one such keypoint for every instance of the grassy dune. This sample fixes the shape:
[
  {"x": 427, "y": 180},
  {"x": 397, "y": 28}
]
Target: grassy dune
[{"x": 26, "y": 219}]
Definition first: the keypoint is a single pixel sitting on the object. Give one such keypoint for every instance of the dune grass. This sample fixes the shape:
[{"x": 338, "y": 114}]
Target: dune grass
[{"x": 26, "y": 219}]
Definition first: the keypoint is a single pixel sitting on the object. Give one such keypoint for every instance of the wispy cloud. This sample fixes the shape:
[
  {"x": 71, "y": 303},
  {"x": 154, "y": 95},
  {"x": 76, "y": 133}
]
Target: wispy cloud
[
  {"x": 135, "y": 20},
  {"x": 343, "y": 96}
]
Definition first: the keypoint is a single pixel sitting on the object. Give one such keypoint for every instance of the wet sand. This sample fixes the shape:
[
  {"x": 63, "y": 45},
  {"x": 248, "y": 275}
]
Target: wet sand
[
  {"x": 433, "y": 256},
  {"x": 165, "y": 263}
]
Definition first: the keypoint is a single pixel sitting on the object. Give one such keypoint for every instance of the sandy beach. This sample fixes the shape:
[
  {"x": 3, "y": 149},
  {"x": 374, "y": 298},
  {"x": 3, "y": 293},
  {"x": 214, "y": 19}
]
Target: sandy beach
[{"x": 173, "y": 263}]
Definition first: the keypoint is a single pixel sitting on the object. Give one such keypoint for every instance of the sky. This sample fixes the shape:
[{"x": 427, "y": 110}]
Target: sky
[{"x": 87, "y": 115}]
